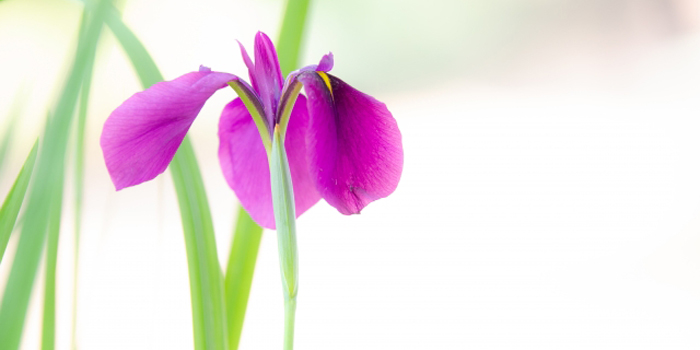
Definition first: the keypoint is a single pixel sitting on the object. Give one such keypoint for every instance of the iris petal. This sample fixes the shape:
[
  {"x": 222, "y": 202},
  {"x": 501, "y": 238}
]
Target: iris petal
[
  {"x": 324, "y": 65},
  {"x": 267, "y": 73},
  {"x": 244, "y": 161},
  {"x": 250, "y": 65},
  {"x": 353, "y": 141},
  {"x": 140, "y": 137}
]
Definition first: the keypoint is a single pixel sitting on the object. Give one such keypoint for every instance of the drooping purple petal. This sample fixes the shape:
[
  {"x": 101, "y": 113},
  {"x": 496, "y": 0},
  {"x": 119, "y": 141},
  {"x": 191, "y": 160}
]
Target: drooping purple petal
[
  {"x": 140, "y": 137},
  {"x": 267, "y": 73},
  {"x": 244, "y": 161},
  {"x": 354, "y": 144}
]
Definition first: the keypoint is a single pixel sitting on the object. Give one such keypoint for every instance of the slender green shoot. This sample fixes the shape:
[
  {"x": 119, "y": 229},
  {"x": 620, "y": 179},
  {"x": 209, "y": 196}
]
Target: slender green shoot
[
  {"x": 285, "y": 221},
  {"x": 291, "y": 34},
  {"x": 239, "y": 274},
  {"x": 78, "y": 181},
  {"x": 48, "y": 334},
  {"x": 6, "y": 139},
  {"x": 13, "y": 201},
  {"x": 45, "y": 186}
]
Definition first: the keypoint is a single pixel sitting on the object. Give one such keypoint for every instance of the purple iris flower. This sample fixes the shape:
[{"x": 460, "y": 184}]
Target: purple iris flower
[{"x": 343, "y": 145}]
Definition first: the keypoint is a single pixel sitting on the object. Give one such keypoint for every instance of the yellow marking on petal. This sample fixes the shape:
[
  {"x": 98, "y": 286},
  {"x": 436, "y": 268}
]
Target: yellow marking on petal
[{"x": 324, "y": 76}]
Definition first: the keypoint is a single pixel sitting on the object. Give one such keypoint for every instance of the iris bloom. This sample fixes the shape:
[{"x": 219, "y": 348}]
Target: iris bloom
[{"x": 343, "y": 145}]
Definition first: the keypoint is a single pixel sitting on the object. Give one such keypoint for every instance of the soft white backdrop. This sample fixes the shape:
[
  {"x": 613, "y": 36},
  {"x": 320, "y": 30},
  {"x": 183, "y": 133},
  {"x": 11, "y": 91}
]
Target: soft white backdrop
[{"x": 550, "y": 197}]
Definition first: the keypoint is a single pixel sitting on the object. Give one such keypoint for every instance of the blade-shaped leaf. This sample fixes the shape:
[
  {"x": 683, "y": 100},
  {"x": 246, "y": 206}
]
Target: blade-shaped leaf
[
  {"x": 79, "y": 175},
  {"x": 45, "y": 186},
  {"x": 48, "y": 335},
  {"x": 291, "y": 34},
  {"x": 206, "y": 280},
  {"x": 239, "y": 273},
  {"x": 6, "y": 139},
  {"x": 13, "y": 201}
]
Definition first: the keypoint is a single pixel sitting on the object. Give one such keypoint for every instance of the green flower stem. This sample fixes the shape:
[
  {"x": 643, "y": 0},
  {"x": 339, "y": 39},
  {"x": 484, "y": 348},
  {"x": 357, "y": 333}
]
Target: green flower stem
[
  {"x": 239, "y": 273},
  {"x": 290, "y": 308},
  {"x": 285, "y": 220}
]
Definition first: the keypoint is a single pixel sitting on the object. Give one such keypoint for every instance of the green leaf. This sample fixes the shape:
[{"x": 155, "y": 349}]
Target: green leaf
[
  {"x": 46, "y": 185},
  {"x": 146, "y": 69},
  {"x": 6, "y": 140},
  {"x": 13, "y": 201},
  {"x": 239, "y": 274},
  {"x": 291, "y": 34},
  {"x": 48, "y": 335},
  {"x": 78, "y": 182},
  {"x": 206, "y": 280}
]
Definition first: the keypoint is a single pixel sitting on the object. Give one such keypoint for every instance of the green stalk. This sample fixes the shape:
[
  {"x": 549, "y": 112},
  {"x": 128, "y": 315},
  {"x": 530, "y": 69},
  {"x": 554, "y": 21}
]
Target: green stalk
[
  {"x": 288, "y": 48},
  {"x": 246, "y": 241},
  {"x": 239, "y": 273},
  {"x": 285, "y": 220}
]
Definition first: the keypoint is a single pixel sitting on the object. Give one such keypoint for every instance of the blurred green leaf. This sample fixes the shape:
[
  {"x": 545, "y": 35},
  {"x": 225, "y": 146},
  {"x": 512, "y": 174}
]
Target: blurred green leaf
[
  {"x": 239, "y": 273},
  {"x": 6, "y": 140},
  {"x": 291, "y": 34},
  {"x": 13, "y": 201},
  {"x": 46, "y": 186},
  {"x": 206, "y": 280},
  {"x": 79, "y": 176},
  {"x": 146, "y": 69},
  {"x": 48, "y": 333}
]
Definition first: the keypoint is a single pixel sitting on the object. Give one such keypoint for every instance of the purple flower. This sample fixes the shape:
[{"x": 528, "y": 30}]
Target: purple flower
[{"x": 343, "y": 146}]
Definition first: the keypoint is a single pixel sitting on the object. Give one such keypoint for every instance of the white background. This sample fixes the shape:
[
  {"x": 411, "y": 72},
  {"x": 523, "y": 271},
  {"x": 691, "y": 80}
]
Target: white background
[{"x": 550, "y": 197}]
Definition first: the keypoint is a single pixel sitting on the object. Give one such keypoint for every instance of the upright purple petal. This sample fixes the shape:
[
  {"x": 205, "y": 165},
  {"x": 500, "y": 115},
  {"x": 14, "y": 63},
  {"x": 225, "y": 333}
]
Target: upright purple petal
[
  {"x": 267, "y": 73},
  {"x": 250, "y": 65},
  {"x": 244, "y": 161},
  {"x": 140, "y": 137},
  {"x": 353, "y": 141},
  {"x": 325, "y": 65}
]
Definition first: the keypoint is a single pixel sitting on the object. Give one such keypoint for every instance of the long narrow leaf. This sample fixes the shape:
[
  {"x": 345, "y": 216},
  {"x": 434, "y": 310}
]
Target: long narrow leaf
[
  {"x": 45, "y": 186},
  {"x": 13, "y": 201},
  {"x": 206, "y": 280},
  {"x": 291, "y": 34},
  {"x": 239, "y": 273},
  {"x": 48, "y": 335},
  {"x": 8, "y": 133},
  {"x": 79, "y": 175}
]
